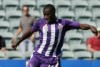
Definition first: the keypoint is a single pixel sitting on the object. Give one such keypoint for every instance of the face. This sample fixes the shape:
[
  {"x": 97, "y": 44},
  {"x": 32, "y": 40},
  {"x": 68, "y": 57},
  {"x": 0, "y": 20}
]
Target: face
[
  {"x": 98, "y": 34},
  {"x": 48, "y": 14},
  {"x": 25, "y": 11}
]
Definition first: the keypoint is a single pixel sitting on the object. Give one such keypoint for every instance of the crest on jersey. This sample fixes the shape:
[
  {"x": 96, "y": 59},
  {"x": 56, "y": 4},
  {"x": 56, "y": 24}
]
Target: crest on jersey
[
  {"x": 45, "y": 27},
  {"x": 60, "y": 26}
]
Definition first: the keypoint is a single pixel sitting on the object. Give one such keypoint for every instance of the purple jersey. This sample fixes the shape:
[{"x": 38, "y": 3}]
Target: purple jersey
[{"x": 51, "y": 36}]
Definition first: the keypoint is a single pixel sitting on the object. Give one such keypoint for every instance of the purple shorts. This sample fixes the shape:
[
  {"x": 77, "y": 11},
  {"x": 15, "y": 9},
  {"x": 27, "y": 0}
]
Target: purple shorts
[{"x": 38, "y": 60}]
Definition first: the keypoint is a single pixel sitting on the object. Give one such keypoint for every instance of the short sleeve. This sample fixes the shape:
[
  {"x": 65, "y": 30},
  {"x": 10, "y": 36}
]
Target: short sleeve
[
  {"x": 72, "y": 24},
  {"x": 35, "y": 26}
]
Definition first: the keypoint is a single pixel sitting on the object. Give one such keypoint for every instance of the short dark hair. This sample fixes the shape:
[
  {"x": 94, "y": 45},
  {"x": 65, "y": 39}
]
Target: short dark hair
[
  {"x": 50, "y": 6},
  {"x": 25, "y": 6}
]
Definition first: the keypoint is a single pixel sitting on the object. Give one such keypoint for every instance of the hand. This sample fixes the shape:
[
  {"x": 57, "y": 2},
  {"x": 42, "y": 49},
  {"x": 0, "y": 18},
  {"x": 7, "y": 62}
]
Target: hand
[
  {"x": 14, "y": 46},
  {"x": 94, "y": 30}
]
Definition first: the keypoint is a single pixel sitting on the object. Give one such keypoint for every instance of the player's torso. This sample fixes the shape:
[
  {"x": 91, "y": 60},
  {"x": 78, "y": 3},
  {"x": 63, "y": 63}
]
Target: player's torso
[
  {"x": 50, "y": 37},
  {"x": 50, "y": 31}
]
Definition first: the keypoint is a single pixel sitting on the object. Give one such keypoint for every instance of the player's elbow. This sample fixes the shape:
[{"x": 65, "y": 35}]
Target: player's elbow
[{"x": 84, "y": 26}]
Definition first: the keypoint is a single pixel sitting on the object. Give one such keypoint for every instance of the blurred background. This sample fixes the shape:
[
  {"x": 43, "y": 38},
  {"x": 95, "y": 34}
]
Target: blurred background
[{"x": 83, "y": 11}]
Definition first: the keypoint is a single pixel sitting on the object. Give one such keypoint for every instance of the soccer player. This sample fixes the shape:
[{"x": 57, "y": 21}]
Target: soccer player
[{"x": 51, "y": 31}]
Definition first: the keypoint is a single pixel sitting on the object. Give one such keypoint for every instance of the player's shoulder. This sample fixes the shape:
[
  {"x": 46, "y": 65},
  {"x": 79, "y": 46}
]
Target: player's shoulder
[
  {"x": 39, "y": 21},
  {"x": 63, "y": 21}
]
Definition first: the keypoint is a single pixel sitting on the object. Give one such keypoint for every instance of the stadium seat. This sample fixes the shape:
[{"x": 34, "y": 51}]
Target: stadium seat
[
  {"x": 14, "y": 18},
  {"x": 14, "y": 55},
  {"x": 88, "y": 33},
  {"x": 66, "y": 47},
  {"x": 6, "y": 34},
  {"x": 66, "y": 14},
  {"x": 13, "y": 15},
  {"x": 78, "y": 47},
  {"x": 74, "y": 38},
  {"x": 37, "y": 35},
  {"x": 35, "y": 13},
  {"x": 62, "y": 5},
  {"x": 83, "y": 16},
  {"x": 2, "y": 15},
  {"x": 2, "y": 55},
  {"x": 31, "y": 4},
  {"x": 67, "y": 33},
  {"x": 68, "y": 55},
  {"x": 94, "y": 5},
  {"x": 36, "y": 42},
  {"x": 28, "y": 54},
  {"x": 10, "y": 4},
  {"x": 96, "y": 15},
  {"x": 8, "y": 38},
  {"x": 96, "y": 55},
  {"x": 41, "y": 4},
  {"x": 4, "y": 26},
  {"x": 79, "y": 5},
  {"x": 97, "y": 22},
  {"x": 1, "y": 7},
  {"x": 85, "y": 55}
]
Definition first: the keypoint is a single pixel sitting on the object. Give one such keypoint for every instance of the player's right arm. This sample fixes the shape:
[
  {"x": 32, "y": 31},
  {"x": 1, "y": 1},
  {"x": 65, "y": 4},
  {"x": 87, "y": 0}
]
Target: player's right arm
[
  {"x": 34, "y": 28},
  {"x": 26, "y": 35}
]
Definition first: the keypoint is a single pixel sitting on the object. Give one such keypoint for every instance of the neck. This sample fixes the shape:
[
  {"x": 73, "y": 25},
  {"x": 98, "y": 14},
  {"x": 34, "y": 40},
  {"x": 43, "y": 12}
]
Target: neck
[
  {"x": 27, "y": 15},
  {"x": 53, "y": 20}
]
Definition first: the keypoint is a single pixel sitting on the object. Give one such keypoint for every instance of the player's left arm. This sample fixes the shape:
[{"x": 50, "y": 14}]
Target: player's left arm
[
  {"x": 87, "y": 27},
  {"x": 77, "y": 25}
]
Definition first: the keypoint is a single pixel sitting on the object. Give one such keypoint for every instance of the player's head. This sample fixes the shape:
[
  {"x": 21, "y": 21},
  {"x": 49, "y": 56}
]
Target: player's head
[
  {"x": 98, "y": 29},
  {"x": 49, "y": 12},
  {"x": 25, "y": 10}
]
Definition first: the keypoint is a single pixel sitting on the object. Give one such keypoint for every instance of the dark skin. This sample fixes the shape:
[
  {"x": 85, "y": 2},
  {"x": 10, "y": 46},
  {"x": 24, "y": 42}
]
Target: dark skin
[{"x": 49, "y": 15}]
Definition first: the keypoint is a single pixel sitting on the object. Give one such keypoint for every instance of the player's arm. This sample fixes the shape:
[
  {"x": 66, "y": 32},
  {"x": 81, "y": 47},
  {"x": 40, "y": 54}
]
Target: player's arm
[
  {"x": 87, "y": 27},
  {"x": 32, "y": 37},
  {"x": 31, "y": 31},
  {"x": 26, "y": 35},
  {"x": 77, "y": 25}
]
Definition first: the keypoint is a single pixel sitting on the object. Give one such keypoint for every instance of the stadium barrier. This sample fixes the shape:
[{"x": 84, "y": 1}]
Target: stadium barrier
[
  {"x": 64, "y": 63},
  {"x": 12, "y": 63},
  {"x": 80, "y": 63}
]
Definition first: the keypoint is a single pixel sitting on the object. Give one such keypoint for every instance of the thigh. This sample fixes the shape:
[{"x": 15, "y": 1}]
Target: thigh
[{"x": 34, "y": 61}]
